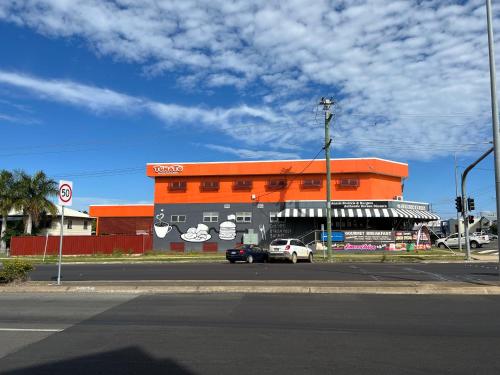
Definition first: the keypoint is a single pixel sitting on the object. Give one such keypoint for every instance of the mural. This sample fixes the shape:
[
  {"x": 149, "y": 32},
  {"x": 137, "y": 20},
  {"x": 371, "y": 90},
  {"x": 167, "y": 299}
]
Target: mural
[
  {"x": 198, "y": 234},
  {"x": 162, "y": 228}
]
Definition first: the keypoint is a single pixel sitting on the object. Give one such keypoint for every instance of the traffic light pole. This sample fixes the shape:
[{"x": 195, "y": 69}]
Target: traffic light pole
[{"x": 464, "y": 200}]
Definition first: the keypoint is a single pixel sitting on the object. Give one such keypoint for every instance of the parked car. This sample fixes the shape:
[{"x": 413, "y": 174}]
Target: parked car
[
  {"x": 290, "y": 249},
  {"x": 452, "y": 241},
  {"x": 493, "y": 236},
  {"x": 246, "y": 253}
]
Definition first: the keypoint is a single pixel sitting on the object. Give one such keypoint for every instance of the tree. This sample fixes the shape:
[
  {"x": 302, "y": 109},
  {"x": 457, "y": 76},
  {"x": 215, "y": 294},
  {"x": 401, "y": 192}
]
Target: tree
[
  {"x": 32, "y": 197},
  {"x": 7, "y": 201}
]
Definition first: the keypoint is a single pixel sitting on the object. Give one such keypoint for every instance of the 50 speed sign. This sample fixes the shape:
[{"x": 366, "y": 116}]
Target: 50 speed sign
[{"x": 65, "y": 193}]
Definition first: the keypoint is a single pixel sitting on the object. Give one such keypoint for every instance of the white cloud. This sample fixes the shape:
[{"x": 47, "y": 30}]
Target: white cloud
[
  {"x": 243, "y": 153},
  {"x": 379, "y": 57}
]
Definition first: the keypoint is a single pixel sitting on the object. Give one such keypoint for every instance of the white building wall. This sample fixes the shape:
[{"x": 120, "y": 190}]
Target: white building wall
[{"x": 77, "y": 227}]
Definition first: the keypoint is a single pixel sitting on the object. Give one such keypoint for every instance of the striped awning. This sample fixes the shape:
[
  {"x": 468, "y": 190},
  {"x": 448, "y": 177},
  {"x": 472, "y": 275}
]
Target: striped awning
[{"x": 359, "y": 212}]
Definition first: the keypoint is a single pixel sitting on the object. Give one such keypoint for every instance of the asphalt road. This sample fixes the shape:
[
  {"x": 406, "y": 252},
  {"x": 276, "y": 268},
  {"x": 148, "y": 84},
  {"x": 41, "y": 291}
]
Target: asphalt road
[
  {"x": 479, "y": 272},
  {"x": 249, "y": 334}
]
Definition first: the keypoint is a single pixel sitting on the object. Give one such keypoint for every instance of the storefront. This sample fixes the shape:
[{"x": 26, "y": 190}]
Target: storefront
[{"x": 214, "y": 206}]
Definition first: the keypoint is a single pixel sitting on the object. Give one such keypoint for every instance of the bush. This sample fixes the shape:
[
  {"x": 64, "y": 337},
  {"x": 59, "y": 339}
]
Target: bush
[{"x": 15, "y": 269}]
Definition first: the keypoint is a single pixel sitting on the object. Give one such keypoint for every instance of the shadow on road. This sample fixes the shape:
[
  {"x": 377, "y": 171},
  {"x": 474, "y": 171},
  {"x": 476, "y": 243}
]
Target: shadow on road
[{"x": 131, "y": 360}]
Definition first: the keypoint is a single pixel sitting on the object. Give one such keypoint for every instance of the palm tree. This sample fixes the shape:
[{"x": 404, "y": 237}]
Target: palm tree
[
  {"x": 7, "y": 201},
  {"x": 33, "y": 193}
]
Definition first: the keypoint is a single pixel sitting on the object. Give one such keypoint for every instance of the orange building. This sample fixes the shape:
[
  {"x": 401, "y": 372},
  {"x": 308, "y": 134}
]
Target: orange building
[
  {"x": 123, "y": 219},
  {"x": 211, "y": 206}
]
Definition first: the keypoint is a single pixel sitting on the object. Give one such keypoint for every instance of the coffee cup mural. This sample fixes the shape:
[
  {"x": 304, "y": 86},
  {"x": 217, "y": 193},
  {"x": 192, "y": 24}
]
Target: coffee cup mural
[{"x": 162, "y": 228}]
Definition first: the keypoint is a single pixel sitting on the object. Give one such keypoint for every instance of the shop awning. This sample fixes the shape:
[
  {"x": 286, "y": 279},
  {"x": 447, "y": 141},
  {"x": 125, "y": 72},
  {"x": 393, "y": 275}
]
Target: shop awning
[{"x": 360, "y": 212}]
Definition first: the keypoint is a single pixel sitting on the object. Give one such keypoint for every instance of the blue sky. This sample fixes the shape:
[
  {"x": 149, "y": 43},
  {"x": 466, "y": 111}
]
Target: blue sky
[{"x": 93, "y": 90}]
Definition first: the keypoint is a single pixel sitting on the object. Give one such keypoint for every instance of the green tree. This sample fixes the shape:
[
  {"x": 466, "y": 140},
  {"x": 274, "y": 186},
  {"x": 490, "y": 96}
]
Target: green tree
[
  {"x": 33, "y": 193},
  {"x": 7, "y": 201}
]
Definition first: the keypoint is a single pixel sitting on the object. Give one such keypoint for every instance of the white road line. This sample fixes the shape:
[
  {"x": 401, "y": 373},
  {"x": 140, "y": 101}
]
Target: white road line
[
  {"x": 31, "y": 330},
  {"x": 487, "y": 251}
]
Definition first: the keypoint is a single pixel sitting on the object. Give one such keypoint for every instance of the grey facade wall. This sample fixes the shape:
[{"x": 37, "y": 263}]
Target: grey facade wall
[{"x": 260, "y": 223}]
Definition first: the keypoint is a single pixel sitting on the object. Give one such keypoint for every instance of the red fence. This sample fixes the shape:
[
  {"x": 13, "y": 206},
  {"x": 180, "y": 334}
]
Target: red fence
[{"x": 80, "y": 245}]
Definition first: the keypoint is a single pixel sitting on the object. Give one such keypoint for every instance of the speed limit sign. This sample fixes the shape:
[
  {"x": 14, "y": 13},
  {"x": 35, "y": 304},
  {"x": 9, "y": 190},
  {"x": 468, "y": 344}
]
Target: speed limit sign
[{"x": 65, "y": 193}]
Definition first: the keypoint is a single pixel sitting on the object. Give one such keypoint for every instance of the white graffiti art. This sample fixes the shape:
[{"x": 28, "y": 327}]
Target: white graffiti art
[
  {"x": 198, "y": 234},
  {"x": 162, "y": 228},
  {"x": 227, "y": 229}
]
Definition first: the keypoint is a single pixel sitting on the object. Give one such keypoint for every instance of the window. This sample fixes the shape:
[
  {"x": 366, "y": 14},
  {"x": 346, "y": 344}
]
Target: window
[
  {"x": 85, "y": 224},
  {"x": 177, "y": 185},
  {"x": 209, "y": 185},
  {"x": 242, "y": 185},
  {"x": 178, "y": 218},
  {"x": 311, "y": 183},
  {"x": 273, "y": 217},
  {"x": 277, "y": 184},
  {"x": 70, "y": 223},
  {"x": 243, "y": 217},
  {"x": 210, "y": 217},
  {"x": 348, "y": 182}
]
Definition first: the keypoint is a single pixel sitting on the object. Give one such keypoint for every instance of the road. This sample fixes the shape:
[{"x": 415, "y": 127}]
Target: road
[
  {"x": 478, "y": 272},
  {"x": 248, "y": 334}
]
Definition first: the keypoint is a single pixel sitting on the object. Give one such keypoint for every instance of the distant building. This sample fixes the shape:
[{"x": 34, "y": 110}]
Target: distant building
[
  {"x": 75, "y": 222},
  {"x": 123, "y": 219}
]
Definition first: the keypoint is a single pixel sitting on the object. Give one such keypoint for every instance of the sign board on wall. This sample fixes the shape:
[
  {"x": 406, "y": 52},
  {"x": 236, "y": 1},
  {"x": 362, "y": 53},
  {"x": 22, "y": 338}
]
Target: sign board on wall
[
  {"x": 336, "y": 236},
  {"x": 65, "y": 194},
  {"x": 379, "y": 204}
]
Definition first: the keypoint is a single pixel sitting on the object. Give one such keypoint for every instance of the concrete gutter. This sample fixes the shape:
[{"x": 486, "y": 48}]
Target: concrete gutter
[{"x": 240, "y": 286}]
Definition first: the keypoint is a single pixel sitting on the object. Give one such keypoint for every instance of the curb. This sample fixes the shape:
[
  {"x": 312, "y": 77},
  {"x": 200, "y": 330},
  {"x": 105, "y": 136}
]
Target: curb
[{"x": 422, "y": 288}]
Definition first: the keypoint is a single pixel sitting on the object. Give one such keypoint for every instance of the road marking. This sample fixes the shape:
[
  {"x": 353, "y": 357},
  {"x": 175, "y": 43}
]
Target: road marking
[
  {"x": 31, "y": 330},
  {"x": 487, "y": 251},
  {"x": 433, "y": 274}
]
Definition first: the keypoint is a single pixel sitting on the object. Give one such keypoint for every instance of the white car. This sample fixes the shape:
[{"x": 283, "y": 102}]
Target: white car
[
  {"x": 452, "y": 241},
  {"x": 290, "y": 249}
]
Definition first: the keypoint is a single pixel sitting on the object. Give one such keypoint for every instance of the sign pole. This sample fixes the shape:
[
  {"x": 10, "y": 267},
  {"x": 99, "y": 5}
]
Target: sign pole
[
  {"x": 65, "y": 199},
  {"x": 60, "y": 248}
]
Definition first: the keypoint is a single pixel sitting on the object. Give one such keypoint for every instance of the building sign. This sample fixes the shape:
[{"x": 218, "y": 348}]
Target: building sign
[
  {"x": 360, "y": 204},
  {"x": 168, "y": 169},
  {"x": 379, "y": 204},
  {"x": 336, "y": 236},
  {"x": 369, "y": 236}
]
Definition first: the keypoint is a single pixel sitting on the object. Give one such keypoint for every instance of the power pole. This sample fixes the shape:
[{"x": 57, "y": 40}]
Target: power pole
[
  {"x": 327, "y": 103},
  {"x": 494, "y": 108}
]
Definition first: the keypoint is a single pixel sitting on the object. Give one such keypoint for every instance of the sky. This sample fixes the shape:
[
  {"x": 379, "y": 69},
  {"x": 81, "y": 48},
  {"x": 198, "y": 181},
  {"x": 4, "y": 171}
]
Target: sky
[{"x": 92, "y": 90}]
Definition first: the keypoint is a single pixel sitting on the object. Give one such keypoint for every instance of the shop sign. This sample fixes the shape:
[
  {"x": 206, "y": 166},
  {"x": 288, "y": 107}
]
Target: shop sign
[
  {"x": 410, "y": 206},
  {"x": 168, "y": 169},
  {"x": 369, "y": 236},
  {"x": 359, "y": 204},
  {"x": 336, "y": 236}
]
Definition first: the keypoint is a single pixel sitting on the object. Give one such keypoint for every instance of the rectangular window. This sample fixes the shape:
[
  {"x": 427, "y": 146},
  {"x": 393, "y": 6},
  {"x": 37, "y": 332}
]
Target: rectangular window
[
  {"x": 85, "y": 224},
  {"x": 242, "y": 184},
  {"x": 210, "y": 217},
  {"x": 348, "y": 182},
  {"x": 277, "y": 184},
  {"x": 243, "y": 217},
  {"x": 311, "y": 183},
  {"x": 70, "y": 224},
  {"x": 177, "y": 185},
  {"x": 178, "y": 218},
  {"x": 209, "y": 185}
]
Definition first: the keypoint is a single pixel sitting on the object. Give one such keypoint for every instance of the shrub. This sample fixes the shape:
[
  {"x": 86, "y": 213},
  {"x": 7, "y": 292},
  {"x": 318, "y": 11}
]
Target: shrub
[
  {"x": 117, "y": 253},
  {"x": 15, "y": 269}
]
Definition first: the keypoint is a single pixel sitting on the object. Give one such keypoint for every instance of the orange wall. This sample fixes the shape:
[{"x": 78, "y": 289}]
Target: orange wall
[
  {"x": 371, "y": 186},
  {"x": 122, "y": 211}
]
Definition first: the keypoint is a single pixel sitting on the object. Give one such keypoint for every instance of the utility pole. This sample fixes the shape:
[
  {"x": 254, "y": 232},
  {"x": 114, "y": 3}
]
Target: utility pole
[
  {"x": 327, "y": 103},
  {"x": 494, "y": 109},
  {"x": 458, "y": 213}
]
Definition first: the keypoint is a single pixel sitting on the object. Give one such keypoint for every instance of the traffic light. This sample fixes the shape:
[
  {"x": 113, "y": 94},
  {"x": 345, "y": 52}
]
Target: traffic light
[
  {"x": 470, "y": 204},
  {"x": 458, "y": 204},
  {"x": 471, "y": 219}
]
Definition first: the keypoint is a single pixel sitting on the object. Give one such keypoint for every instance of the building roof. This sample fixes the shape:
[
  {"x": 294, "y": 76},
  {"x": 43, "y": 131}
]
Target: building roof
[
  {"x": 278, "y": 167},
  {"x": 68, "y": 212}
]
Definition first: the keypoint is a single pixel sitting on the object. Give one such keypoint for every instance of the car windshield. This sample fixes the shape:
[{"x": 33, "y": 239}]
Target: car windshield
[{"x": 279, "y": 242}]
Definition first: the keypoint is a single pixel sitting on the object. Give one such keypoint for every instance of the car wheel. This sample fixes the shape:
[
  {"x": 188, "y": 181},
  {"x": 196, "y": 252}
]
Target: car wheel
[
  {"x": 231, "y": 261},
  {"x": 310, "y": 258},
  {"x": 474, "y": 245},
  {"x": 294, "y": 258},
  {"x": 249, "y": 259},
  {"x": 441, "y": 245}
]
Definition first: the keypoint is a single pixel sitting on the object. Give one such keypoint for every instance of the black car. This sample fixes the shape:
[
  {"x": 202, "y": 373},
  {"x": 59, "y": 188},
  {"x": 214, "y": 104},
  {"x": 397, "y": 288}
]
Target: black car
[{"x": 246, "y": 253}]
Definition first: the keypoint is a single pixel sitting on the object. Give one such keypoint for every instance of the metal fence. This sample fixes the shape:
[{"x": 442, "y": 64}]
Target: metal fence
[{"x": 80, "y": 245}]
